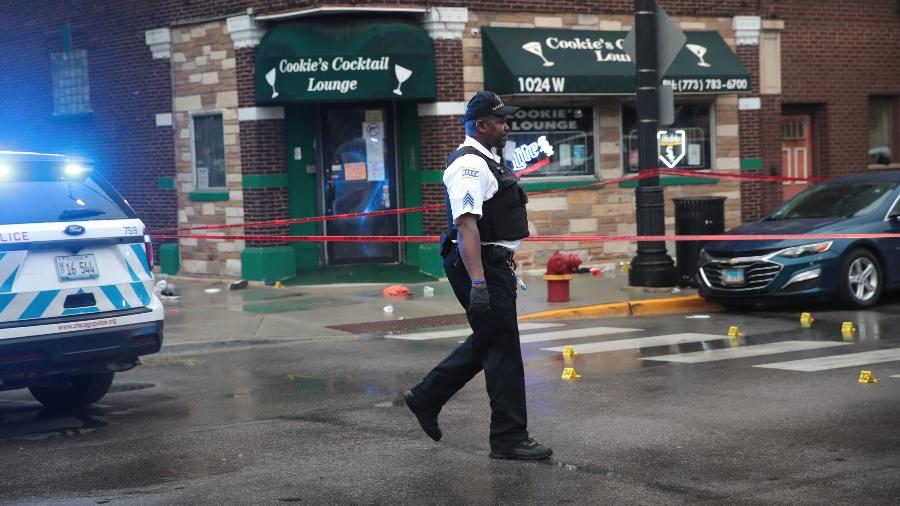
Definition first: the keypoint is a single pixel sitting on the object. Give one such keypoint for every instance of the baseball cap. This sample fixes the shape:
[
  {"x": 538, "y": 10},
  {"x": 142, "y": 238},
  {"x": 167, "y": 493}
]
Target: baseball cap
[{"x": 486, "y": 103}]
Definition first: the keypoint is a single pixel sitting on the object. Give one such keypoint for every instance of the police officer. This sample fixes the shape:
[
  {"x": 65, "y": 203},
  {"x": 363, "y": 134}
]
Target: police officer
[{"x": 486, "y": 224}]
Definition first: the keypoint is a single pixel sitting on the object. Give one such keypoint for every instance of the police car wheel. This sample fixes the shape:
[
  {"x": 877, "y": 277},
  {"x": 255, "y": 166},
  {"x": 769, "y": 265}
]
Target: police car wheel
[{"x": 79, "y": 391}]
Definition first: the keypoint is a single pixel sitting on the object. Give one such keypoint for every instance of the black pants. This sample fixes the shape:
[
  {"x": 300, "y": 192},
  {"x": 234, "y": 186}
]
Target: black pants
[{"x": 493, "y": 347}]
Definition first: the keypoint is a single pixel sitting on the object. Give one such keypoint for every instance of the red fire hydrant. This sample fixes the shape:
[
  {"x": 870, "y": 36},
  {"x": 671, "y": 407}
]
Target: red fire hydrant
[{"x": 558, "y": 275}]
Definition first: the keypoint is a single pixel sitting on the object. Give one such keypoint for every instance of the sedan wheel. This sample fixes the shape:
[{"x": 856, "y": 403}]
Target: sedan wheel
[{"x": 861, "y": 279}]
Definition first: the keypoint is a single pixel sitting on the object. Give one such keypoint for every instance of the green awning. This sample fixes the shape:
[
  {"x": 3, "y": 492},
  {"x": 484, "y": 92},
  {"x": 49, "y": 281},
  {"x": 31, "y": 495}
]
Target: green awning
[
  {"x": 538, "y": 61},
  {"x": 299, "y": 62}
]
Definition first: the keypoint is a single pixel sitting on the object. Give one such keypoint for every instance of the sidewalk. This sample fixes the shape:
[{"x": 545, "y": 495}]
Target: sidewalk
[{"x": 208, "y": 312}]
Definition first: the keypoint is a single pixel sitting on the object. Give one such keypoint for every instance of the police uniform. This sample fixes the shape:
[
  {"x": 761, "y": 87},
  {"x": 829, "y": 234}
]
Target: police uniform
[{"x": 478, "y": 183}]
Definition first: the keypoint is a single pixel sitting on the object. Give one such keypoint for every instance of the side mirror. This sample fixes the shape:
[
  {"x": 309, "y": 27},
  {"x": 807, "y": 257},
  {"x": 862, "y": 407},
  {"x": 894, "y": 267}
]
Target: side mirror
[{"x": 895, "y": 216}]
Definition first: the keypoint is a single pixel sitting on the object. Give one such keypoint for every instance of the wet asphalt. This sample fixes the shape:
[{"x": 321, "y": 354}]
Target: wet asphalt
[{"x": 318, "y": 421}]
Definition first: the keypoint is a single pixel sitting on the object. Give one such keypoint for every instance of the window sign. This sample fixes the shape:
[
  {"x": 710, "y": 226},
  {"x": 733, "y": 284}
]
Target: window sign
[
  {"x": 551, "y": 142},
  {"x": 685, "y": 145}
]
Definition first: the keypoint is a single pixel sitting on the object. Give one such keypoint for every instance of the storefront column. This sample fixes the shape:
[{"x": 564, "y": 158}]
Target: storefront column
[
  {"x": 165, "y": 214},
  {"x": 264, "y": 174},
  {"x": 439, "y": 127},
  {"x": 759, "y": 116}
]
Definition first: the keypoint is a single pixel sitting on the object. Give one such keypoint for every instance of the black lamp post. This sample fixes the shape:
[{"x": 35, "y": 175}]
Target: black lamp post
[{"x": 652, "y": 267}]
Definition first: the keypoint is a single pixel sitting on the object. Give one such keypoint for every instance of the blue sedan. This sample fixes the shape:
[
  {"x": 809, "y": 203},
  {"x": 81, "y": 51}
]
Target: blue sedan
[{"x": 854, "y": 271}]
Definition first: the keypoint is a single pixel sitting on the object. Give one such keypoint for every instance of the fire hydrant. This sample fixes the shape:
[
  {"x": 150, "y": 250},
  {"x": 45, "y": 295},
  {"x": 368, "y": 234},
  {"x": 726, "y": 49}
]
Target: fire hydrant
[{"x": 558, "y": 275}]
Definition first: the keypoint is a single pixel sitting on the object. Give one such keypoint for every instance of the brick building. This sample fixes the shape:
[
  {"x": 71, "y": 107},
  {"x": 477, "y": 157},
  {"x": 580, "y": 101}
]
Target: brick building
[{"x": 215, "y": 113}]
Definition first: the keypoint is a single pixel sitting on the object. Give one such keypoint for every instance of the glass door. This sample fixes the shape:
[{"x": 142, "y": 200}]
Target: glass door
[{"x": 360, "y": 175}]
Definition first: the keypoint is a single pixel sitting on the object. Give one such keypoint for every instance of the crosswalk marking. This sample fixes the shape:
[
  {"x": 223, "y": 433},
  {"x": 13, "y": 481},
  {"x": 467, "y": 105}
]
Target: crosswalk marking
[
  {"x": 836, "y": 361},
  {"x": 572, "y": 334},
  {"x": 754, "y": 350},
  {"x": 463, "y": 332},
  {"x": 639, "y": 342}
]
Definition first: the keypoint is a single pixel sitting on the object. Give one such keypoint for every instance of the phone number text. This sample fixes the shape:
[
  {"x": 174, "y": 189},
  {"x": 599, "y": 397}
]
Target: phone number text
[{"x": 703, "y": 85}]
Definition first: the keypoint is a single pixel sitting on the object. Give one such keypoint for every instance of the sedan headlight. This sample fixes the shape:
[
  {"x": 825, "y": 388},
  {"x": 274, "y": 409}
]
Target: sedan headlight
[{"x": 805, "y": 250}]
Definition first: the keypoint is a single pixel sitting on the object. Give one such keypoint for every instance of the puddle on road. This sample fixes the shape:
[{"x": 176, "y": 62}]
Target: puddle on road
[
  {"x": 295, "y": 304},
  {"x": 29, "y": 421},
  {"x": 310, "y": 386}
]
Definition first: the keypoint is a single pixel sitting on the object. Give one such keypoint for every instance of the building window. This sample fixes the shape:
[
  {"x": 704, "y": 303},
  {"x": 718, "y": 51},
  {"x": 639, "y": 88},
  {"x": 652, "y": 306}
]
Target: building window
[
  {"x": 209, "y": 151},
  {"x": 881, "y": 130},
  {"x": 695, "y": 154},
  {"x": 71, "y": 89},
  {"x": 551, "y": 142}
]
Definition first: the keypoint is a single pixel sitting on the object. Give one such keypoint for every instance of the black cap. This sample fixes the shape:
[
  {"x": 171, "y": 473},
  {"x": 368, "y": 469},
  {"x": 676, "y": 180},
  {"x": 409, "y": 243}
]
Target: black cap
[{"x": 486, "y": 103}]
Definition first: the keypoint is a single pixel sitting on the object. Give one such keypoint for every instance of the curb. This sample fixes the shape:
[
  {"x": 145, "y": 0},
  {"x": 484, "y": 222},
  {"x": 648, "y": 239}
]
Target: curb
[{"x": 669, "y": 305}]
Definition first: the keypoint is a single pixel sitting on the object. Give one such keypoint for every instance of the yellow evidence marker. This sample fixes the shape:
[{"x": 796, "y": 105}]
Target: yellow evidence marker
[
  {"x": 847, "y": 330},
  {"x": 866, "y": 377},
  {"x": 569, "y": 373},
  {"x": 569, "y": 352},
  {"x": 806, "y": 320},
  {"x": 277, "y": 285},
  {"x": 734, "y": 334}
]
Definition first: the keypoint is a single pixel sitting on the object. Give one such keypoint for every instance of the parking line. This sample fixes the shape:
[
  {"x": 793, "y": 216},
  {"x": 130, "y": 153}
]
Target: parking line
[
  {"x": 573, "y": 334},
  {"x": 463, "y": 332},
  {"x": 754, "y": 350},
  {"x": 836, "y": 361},
  {"x": 640, "y": 342}
]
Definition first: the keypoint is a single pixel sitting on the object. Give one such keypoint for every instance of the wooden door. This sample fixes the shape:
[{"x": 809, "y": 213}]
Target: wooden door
[{"x": 796, "y": 152}]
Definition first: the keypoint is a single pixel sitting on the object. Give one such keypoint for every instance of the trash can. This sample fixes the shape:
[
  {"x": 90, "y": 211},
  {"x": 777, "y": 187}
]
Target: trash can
[{"x": 695, "y": 216}]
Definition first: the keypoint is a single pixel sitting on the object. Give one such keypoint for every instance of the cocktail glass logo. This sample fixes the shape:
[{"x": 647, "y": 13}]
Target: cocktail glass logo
[
  {"x": 270, "y": 78},
  {"x": 402, "y": 74},
  {"x": 535, "y": 48},
  {"x": 699, "y": 51},
  {"x": 670, "y": 146}
]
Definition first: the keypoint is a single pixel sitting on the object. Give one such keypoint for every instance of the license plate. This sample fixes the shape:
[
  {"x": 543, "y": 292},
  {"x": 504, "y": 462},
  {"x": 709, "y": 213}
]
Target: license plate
[
  {"x": 733, "y": 276},
  {"x": 77, "y": 267}
]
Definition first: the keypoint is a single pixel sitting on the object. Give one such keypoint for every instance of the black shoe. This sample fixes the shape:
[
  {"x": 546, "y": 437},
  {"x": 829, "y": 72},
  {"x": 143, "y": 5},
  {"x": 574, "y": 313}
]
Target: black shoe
[
  {"x": 427, "y": 419},
  {"x": 525, "y": 450}
]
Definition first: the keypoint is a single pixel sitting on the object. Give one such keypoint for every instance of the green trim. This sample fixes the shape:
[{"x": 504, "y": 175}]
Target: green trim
[
  {"x": 66, "y": 33},
  {"x": 673, "y": 181},
  {"x": 268, "y": 264},
  {"x": 169, "y": 258},
  {"x": 537, "y": 186},
  {"x": 167, "y": 183},
  {"x": 431, "y": 176},
  {"x": 303, "y": 198},
  {"x": 208, "y": 196},
  {"x": 751, "y": 164},
  {"x": 410, "y": 175},
  {"x": 266, "y": 180}
]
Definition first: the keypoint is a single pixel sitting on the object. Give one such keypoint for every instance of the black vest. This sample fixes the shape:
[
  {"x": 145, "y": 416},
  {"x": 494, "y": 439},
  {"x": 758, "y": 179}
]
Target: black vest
[{"x": 503, "y": 216}]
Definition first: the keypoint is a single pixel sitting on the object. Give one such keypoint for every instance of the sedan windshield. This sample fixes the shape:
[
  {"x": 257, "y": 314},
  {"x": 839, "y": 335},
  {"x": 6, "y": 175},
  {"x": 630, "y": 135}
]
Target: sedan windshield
[{"x": 842, "y": 200}]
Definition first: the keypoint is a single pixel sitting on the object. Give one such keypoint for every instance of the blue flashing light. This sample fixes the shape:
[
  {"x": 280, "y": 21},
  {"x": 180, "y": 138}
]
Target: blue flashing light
[{"x": 5, "y": 171}]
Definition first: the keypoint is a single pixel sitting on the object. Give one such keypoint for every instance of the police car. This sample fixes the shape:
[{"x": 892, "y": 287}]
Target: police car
[{"x": 76, "y": 285}]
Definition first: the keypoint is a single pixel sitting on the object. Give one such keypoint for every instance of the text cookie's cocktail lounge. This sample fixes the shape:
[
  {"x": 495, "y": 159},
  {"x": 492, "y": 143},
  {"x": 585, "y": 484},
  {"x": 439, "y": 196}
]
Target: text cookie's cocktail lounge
[{"x": 296, "y": 115}]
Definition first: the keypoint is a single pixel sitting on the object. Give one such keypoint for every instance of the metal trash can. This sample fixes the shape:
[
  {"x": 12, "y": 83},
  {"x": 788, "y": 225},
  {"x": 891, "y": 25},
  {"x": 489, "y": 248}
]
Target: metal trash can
[{"x": 695, "y": 216}]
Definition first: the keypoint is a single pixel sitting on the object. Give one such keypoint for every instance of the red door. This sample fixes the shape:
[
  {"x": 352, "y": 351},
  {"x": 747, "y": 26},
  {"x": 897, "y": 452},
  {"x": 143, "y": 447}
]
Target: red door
[{"x": 796, "y": 152}]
